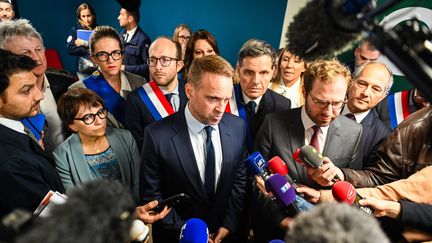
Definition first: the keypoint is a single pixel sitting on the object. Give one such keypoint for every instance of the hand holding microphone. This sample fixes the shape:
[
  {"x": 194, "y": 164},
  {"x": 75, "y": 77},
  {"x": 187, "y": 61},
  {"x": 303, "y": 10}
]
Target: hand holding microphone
[
  {"x": 344, "y": 191},
  {"x": 318, "y": 167}
]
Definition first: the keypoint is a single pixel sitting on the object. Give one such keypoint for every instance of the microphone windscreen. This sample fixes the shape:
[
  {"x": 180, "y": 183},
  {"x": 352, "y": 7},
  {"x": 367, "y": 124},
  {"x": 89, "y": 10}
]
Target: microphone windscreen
[
  {"x": 256, "y": 163},
  {"x": 194, "y": 231},
  {"x": 312, "y": 34},
  {"x": 344, "y": 191},
  {"x": 277, "y": 165},
  {"x": 281, "y": 189},
  {"x": 310, "y": 156}
]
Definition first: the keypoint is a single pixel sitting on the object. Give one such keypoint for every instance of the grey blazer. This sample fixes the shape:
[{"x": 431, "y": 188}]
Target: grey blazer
[
  {"x": 135, "y": 82},
  {"x": 73, "y": 168},
  {"x": 282, "y": 133}
]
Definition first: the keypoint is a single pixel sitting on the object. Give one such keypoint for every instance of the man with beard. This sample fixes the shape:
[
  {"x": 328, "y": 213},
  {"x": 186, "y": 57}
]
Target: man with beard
[
  {"x": 6, "y": 10},
  {"x": 163, "y": 95},
  {"x": 27, "y": 172},
  {"x": 317, "y": 123}
]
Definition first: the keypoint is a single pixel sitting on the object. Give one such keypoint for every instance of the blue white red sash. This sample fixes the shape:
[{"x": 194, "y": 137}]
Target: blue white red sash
[
  {"x": 113, "y": 101},
  {"x": 398, "y": 105},
  {"x": 35, "y": 124},
  {"x": 155, "y": 100},
  {"x": 236, "y": 107}
]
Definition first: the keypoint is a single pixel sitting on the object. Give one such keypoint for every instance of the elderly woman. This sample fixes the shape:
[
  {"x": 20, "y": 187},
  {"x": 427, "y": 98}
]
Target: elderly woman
[
  {"x": 86, "y": 20},
  {"x": 94, "y": 150},
  {"x": 288, "y": 81},
  {"x": 109, "y": 82},
  {"x": 182, "y": 34},
  {"x": 202, "y": 43}
]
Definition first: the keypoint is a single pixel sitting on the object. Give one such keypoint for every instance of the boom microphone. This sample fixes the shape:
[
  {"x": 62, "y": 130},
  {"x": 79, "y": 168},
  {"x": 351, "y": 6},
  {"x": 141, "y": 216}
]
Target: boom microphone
[
  {"x": 194, "y": 231},
  {"x": 257, "y": 165},
  {"x": 344, "y": 191},
  {"x": 316, "y": 31}
]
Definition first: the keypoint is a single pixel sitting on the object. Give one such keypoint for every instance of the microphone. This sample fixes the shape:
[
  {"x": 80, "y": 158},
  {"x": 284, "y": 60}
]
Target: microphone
[
  {"x": 344, "y": 191},
  {"x": 282, "y": 190},
  {"x": 194, "y": 231},
  {"x": 277, "y": 165},
  {"x": 257, "y": 165},
  {"x": 308, "y": 155},
  {"x": 311, "y": 34}
]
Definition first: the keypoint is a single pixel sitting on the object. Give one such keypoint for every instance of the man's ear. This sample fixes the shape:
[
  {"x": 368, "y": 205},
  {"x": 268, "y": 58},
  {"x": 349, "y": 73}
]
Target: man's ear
[
  {"x": 180, "y": 65},
  {"x": 189, "y": 89}
]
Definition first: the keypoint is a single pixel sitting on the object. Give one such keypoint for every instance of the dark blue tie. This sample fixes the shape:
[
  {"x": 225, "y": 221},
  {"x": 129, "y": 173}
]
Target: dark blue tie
[
  {"x": 251, "y": 106},
  {"x": 168, "y": 96},
  {"x": 209, "y": 180}
]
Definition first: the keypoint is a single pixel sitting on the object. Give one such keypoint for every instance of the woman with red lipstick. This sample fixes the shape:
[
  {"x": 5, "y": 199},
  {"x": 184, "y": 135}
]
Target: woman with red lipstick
[
  {"x": 288, "y": 81},
  {"x": 94, "y": 151},
  {"x": 109, "y": 82}
]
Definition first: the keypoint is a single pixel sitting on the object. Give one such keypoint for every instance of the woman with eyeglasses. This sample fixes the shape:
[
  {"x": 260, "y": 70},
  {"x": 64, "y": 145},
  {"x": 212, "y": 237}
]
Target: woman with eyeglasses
[
  {"x": 182, "y": 34},
  {"x": 94, "y": 151},
  {"x": 109, "y": 82}
]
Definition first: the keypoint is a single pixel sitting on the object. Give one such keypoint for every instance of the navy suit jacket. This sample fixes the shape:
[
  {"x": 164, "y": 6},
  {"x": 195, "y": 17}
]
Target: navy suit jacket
[
  {"x": 168, "y": 167},
  {"x": 27, "y": 172},
  {"x": 136, "y": 53},
  {"x": 374, "y": 133},
  {"x": 138, "y": 116}
]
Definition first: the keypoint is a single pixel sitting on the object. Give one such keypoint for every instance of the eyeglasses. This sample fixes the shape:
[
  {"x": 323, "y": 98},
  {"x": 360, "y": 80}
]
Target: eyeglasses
[
  {"x": 182, "y": 37},
  {"x": 324, "y": 104},
  {"x": 90, "y": 118},
  {"x": 103, "y": 55},
  {"x": 164, "y": 61}
]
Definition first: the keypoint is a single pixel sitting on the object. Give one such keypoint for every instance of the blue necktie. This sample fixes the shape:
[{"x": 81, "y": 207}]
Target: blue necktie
[{"x": 209, "y": 180}]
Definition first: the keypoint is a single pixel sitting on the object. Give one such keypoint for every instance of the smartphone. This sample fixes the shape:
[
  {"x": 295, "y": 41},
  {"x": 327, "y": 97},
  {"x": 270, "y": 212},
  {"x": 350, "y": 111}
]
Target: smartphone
[{"x": 172, "y": 201}]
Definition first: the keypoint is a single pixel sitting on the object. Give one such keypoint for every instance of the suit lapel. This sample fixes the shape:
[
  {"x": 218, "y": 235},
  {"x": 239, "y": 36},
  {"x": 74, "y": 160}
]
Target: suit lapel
[
  {"x": 227, "y": 153},
  {"x": 333, "y": 138},
  {"x": 297, "y": 138},
  {"x": 185, "y": 153}
]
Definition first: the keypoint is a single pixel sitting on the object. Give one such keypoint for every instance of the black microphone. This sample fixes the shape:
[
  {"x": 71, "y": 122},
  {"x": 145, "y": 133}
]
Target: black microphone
[
  {"x": 325, "y": 28},
  {"x": 310, "y": 156}
]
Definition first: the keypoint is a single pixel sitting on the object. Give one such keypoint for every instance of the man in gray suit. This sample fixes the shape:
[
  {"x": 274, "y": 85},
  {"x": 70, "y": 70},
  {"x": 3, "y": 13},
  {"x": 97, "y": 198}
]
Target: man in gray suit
[{"x": 317, "y": 123}]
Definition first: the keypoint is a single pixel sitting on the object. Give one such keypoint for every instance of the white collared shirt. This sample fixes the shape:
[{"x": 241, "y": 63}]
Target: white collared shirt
[
  {"x": 198, "y": 138},
  {"x": 130, "y": 33},
  {"x": 358, "y": 116},
  {"x": 247, "y": 100},
  {"x": 292, "y": 93},
  {"x": 15, "y": 125},
  {"x": 308, "y": 124},
  {"x": 175, "y": 99}
]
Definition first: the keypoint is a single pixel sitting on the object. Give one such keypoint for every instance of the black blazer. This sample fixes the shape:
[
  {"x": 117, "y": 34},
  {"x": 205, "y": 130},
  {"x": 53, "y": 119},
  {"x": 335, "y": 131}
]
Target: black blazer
[
  {"x": 374, "y": 133},
  {"x": 168, "y": 167},
  {"x": 270, "y": 102},
  {"x": 138, "y": 116},
  {"x": 27, "y": 172},
  {"x": 59, "y": 83}
]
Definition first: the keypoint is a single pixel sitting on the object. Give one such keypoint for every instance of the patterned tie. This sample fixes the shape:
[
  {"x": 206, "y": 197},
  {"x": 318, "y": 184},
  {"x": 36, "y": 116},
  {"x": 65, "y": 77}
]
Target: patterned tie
[
  {"x": 351, "y": 116},
  {"x": 30, "y": 134},
  {"x": 314, "y": 140},
  {"x": 209, "y": 180},
  {"x": 251, "y": 106},
  {"x": 125, "y": 37}
]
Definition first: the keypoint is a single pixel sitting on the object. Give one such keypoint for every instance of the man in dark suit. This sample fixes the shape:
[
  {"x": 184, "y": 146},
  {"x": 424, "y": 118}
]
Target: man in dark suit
[
  {"x": 181, "y": 158},
  {"x": 255, "y": 67},
  {"x": 316, "y": 123},
  {"x": 27, "y": 172},
  {"x": 136, "y": 43},
  {"x": 371, "y": 83},
  {"x": 143, "y": 103},
  {"x": 20, "y": 37}
]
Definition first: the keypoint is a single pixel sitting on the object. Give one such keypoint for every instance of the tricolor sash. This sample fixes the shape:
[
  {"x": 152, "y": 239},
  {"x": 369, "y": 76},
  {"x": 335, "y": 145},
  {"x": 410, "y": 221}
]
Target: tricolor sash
[
  {"x": 35, "y": 124},
  {"x": 155, "y": 100},
  {"x": 113, "y": 101},
  {"x": 236, "y": 107},
  {"x": 398, "y": 105}
]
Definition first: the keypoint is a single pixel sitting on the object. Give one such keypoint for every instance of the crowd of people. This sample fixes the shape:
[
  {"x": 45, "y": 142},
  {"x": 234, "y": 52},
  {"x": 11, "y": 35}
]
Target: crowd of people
[{"x": 148, "y": 120}]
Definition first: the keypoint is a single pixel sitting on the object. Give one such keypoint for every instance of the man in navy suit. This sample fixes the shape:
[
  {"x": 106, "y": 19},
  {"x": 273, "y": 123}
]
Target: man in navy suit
[
  {"x": 27, "y": 172},
  {"x": 135, "y": 42},
  {"x": 371, "y": 83},
  {"x": 198, "y": 151},
  {"x": 164, "y": 94}
]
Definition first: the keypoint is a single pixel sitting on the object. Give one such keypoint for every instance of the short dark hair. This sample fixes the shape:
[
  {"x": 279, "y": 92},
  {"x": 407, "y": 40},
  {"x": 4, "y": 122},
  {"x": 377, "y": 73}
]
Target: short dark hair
[
  {"x": 256, "y": 48},
  {"x": 99, "y": 211},
  {"x": 101, "y": 32},
  {"x": 135, "y": 14},
  {"x": 70, "y": 102},
  {"x": 11, "y": 64}
]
